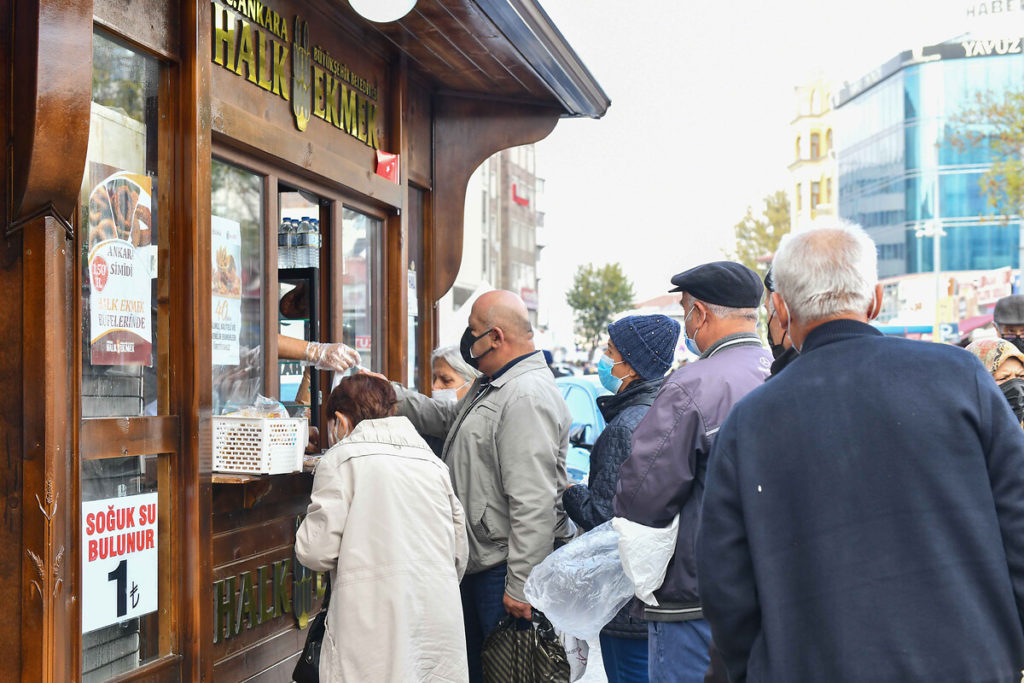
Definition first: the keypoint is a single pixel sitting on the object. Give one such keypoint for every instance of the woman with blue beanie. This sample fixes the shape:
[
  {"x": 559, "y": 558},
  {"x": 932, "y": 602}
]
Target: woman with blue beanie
[{"x": 640, "y": 351}]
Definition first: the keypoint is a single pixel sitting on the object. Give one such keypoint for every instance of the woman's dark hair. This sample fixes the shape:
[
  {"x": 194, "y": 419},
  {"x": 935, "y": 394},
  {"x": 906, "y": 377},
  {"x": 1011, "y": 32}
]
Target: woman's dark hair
[{"x": 362, "y": 397}]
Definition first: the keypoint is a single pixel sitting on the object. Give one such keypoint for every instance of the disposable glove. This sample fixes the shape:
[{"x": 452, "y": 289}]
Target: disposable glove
[{"x": 338, "y": 357}]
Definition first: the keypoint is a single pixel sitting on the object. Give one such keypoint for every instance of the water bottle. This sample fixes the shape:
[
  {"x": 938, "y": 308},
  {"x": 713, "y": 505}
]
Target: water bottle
[
  {"x": 314, "y": 246},
  {"x": 293, "y": 228},
  {"x": 282, "y": 243},
  {"x": 305, "y": 228}
]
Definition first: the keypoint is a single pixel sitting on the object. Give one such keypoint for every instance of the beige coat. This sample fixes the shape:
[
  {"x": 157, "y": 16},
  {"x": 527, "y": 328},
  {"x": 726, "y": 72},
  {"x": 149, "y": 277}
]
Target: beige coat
[
  {"x": 385, "y": 522},
  {"x": 505, "y": 445}
]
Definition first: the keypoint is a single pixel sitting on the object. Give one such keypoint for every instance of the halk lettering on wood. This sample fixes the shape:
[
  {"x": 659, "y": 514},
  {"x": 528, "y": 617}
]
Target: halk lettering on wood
[
  {"x": 248, "y": 600},
  {"x": 252, "y": 40}
]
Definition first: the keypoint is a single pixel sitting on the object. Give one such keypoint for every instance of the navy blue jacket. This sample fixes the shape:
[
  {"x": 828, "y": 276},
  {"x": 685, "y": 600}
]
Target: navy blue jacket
[
  {"x": 864, "y": 518},
  {"x": 591, "y": 505}
]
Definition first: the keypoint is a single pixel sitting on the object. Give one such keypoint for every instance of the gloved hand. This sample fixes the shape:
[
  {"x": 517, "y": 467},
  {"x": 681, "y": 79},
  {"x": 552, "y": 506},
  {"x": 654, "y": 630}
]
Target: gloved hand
[{"x": 326, "y": 356}]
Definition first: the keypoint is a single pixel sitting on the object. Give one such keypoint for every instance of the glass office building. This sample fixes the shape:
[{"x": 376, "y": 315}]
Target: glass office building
[{"x": 899, "y": 171}]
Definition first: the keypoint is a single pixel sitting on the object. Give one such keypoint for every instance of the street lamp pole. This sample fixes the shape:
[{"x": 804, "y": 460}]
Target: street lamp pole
[{"x": 934, "y": 230}]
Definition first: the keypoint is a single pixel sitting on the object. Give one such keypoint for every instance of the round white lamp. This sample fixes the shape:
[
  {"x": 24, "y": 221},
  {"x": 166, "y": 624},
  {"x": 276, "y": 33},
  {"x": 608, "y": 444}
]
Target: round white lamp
[{"x": 382, "y": 11}]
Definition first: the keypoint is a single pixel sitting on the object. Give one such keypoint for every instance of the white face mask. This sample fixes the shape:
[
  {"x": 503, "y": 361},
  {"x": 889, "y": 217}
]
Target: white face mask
[{"x": 446, "y": 395}]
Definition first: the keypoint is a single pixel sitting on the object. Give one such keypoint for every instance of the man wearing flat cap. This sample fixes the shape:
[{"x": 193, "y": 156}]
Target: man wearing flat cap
[
  {"x": 664, "y": 475},
  {"x": 1009, "y": 319}
]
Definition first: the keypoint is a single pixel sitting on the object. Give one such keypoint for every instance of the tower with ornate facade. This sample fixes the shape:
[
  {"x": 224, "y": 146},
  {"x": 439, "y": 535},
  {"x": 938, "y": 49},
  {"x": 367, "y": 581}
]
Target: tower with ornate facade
[{"x": 813, "y": 190}]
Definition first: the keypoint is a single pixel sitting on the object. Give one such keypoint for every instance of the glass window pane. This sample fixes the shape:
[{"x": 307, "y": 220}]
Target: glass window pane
[
  {"x": 361, "y": 282},
  {"x": 121, "y": 621},
  {"x": 415, "y": 284},
  {"x": 119, "y": 236},
  {"x": 236, "y": 246},
  {"x": 298, "y": 261}
]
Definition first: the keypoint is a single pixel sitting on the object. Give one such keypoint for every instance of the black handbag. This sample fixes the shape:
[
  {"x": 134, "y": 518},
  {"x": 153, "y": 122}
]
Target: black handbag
[
  {"x": 307, "y": 669},
  {"x": 524, "y": 655}
]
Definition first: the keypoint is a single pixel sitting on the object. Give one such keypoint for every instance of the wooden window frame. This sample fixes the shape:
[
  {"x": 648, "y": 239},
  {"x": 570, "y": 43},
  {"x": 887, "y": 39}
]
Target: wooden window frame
[
  {"x": 275, "y": 173},
  {"x": 159, "y": 436}
]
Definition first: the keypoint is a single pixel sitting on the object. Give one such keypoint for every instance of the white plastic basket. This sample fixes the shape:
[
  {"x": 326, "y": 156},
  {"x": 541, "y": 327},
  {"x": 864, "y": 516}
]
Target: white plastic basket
[{"x": 259, "y": 445}]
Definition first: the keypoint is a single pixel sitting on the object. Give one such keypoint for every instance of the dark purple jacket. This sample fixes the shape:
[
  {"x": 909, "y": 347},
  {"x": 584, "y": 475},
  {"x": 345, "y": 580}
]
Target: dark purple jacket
[{"x": 664, "y": 475}]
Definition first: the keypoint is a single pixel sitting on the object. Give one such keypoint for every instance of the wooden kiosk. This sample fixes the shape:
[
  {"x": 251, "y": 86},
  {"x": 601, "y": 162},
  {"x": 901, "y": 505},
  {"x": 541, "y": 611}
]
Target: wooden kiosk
[{"x": 187, "y": 182}]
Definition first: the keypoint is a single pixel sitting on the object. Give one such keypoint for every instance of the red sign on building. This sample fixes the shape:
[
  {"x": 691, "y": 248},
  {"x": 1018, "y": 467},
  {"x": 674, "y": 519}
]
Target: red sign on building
[{"x": 521, "y": 201}]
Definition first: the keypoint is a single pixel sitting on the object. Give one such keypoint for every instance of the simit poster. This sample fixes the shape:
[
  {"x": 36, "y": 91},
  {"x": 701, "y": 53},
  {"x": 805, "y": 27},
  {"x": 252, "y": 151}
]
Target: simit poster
[
  {"x": 120, "y": 316},
  {"x": 226, "y": 245}
]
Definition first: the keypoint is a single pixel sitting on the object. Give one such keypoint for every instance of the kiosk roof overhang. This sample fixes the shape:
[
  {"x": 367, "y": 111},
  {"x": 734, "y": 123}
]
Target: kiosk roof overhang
[{"x": 495, "y": 48}]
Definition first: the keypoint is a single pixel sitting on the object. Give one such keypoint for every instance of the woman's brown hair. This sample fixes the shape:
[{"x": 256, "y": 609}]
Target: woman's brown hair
[{"x": 362, "y": 397}]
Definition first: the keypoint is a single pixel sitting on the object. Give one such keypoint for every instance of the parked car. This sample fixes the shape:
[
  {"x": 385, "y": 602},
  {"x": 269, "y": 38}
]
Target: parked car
[
  {"x": 580, "y": 394},
  {"x": 564, "y": 370}
]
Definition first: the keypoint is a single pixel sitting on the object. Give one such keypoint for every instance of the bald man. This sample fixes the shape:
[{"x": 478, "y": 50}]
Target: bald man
[{"x": 505, "y": 445}]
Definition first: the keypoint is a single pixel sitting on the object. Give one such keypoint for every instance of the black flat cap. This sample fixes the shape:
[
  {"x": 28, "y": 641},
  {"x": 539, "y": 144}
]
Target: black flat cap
[
  {"x": 724, "y": 283},
  {"x": 1009, "y": 310}
]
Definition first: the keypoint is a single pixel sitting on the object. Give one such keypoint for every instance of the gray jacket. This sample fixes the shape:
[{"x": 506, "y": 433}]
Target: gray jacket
[{"x": 505, "y": 445}]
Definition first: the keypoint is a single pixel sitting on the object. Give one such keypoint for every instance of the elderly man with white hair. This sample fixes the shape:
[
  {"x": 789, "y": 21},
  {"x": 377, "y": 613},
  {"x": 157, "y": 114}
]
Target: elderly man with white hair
[{"x": 864, "y": 512}]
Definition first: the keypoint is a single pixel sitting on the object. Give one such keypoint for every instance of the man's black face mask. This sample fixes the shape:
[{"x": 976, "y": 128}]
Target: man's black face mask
[
  {"x": 776, "y": 349},
  {"x": 466, "y": 348}
]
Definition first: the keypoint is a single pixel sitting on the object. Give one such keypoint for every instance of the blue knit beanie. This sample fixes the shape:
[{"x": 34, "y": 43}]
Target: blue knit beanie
[{"x": 646, "y": 342}]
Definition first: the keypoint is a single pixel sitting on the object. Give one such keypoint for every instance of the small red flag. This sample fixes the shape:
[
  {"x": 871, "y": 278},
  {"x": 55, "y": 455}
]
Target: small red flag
[{"x": 387, "y": 165}]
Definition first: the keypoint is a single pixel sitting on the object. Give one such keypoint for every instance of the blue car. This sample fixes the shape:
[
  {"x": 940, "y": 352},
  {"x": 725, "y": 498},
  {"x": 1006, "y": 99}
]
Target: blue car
[{"x": 580, "y": 394}]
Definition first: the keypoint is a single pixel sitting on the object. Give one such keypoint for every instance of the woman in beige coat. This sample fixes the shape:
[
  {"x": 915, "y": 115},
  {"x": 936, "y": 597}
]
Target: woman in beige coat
[{"x": 384, "y": 520}]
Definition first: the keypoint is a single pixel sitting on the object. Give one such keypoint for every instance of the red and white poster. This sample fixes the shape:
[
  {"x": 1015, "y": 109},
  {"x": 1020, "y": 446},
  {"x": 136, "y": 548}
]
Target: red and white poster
[
  {"x": 120, "y": 558},
  {"x": 120, "y": 316},
  {"x": 226, "y": 245}
]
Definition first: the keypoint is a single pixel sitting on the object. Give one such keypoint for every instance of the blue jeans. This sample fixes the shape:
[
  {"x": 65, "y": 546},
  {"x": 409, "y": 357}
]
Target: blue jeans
[
  {"x": 482, "y": 609},
  {"x": 678, "y": 650},
  {"x": 625, "y": 659}
]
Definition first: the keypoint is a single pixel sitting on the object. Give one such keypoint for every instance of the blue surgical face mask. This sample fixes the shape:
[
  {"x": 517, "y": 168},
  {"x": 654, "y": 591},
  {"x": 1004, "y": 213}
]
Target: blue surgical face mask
[
  {"x": 691, "y": 344},
  {"x": 604, "y": 373}
]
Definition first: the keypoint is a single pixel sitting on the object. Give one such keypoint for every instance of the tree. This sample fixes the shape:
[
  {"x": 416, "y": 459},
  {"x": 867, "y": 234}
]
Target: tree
[
  {"x": 758, "y": 236},
  {"x": 596, "y": 295},
  {"x": 996, "y": 122}
]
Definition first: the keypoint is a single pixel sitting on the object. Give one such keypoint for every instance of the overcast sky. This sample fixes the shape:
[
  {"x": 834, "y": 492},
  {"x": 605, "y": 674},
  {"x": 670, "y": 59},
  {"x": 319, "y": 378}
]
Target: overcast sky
[{"x": 702, "y": 97}]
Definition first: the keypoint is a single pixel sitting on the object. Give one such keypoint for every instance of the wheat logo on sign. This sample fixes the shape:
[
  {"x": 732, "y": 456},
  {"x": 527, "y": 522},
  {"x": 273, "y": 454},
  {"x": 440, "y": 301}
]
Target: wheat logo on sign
[{"x": 301, "y": 74}]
